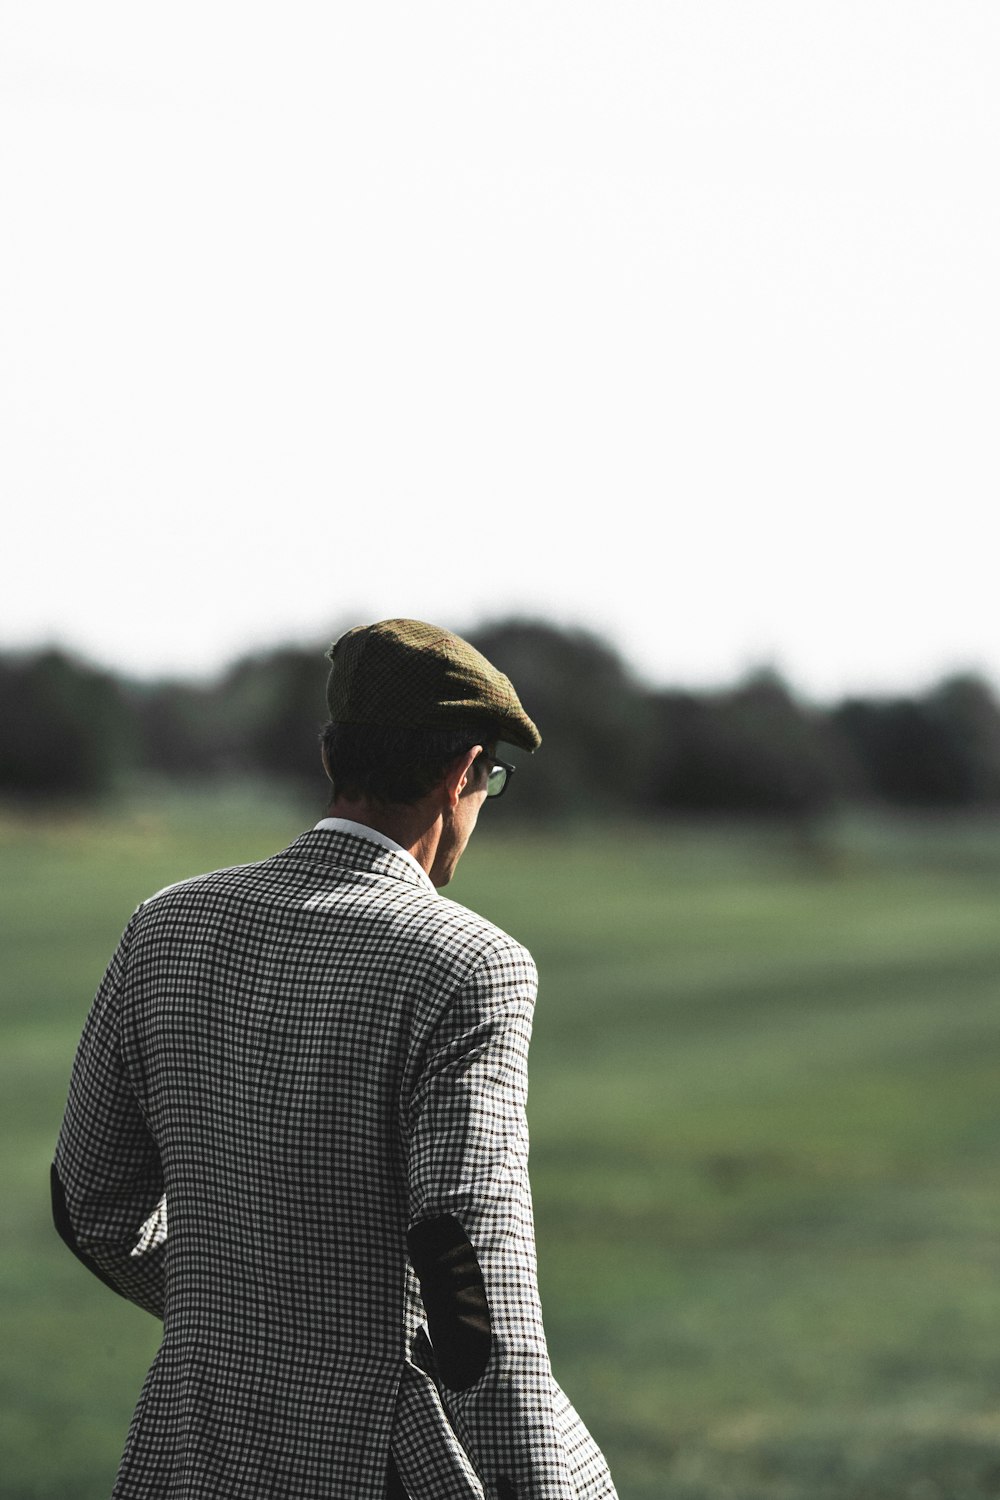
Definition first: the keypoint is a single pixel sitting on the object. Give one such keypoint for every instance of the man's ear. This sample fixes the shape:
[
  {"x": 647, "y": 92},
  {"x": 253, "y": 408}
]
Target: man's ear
[{"x": 459, "y": 773}]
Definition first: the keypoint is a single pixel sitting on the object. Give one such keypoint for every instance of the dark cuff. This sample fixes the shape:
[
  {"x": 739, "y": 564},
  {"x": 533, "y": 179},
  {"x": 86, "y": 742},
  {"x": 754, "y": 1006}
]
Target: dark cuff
[{"x": 66, "y": 1232}]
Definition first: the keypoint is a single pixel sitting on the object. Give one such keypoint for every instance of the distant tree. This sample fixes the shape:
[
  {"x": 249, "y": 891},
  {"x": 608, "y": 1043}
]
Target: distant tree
[
  {"x": 970, "y": 712},
  {"x": 286, "y": 740},
  {"x": 178, "y": 727},
  {"x": 588, "y": 708},
  {"x": 65, "y": 729},
  {"x": 273, "y": 706},
  {"x": 753, "y": 749},
  {"x": 942, "y": 750}
]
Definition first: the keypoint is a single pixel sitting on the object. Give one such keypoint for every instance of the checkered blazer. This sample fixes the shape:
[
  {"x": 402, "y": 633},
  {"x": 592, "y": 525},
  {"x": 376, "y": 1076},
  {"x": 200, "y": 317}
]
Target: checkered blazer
[{"x": 316, "y": 1066}]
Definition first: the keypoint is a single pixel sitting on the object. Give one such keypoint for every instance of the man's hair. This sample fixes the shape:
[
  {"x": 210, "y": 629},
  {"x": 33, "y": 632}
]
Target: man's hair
[{"x": 393, "y": 764}]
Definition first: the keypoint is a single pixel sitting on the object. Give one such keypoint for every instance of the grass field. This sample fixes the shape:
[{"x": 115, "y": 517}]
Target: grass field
[{"x": 765, "y": 1144}]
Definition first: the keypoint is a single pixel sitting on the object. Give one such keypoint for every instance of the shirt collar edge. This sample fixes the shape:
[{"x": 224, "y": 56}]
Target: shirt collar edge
[{"x": 374, "y": 836}]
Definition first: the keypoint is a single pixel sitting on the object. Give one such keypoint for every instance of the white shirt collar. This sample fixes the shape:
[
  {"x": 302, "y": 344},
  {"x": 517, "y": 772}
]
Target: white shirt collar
[{"x": 362, "y": 831}]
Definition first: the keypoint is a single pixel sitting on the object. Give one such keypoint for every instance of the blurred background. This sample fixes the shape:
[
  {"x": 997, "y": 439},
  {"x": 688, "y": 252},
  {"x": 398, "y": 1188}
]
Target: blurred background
[{"x": 652, "y": 346}]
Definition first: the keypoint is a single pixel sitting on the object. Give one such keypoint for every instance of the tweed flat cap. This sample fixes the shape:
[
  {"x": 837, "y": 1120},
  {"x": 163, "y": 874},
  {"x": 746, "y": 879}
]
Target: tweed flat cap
[{"x": 407, "y": 674}]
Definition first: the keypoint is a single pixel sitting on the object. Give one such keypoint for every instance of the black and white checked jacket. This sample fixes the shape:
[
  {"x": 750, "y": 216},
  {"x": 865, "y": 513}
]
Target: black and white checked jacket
[{"x": 316, "y": 1067}]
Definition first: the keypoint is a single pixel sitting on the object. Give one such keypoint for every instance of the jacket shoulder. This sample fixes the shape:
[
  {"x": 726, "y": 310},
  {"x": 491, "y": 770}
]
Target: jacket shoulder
[
  {"x": 464, "y": 931},
  {"x": 193, "y": 885}
]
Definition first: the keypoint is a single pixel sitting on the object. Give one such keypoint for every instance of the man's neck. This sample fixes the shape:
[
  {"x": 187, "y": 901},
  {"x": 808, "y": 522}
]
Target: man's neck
[{"x": 416, "y": 828}]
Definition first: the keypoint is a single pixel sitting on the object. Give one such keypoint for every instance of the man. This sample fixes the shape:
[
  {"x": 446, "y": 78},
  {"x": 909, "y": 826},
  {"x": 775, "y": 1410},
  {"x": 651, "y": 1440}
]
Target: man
[{"x": 296, "y": 1132}]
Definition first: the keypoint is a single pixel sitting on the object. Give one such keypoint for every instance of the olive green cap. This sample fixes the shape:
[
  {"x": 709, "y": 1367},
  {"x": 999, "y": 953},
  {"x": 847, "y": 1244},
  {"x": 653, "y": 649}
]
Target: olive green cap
[{"x": 406, "y": 674}]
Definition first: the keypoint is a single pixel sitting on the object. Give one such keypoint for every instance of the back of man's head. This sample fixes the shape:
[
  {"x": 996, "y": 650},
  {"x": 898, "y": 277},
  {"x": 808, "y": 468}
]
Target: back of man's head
[{"x": 405, "y": 699}]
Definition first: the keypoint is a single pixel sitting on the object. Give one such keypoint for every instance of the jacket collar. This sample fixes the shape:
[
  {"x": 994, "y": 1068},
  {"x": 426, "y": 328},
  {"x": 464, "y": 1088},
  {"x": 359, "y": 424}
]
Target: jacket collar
[{"x": 353, "y": 846}]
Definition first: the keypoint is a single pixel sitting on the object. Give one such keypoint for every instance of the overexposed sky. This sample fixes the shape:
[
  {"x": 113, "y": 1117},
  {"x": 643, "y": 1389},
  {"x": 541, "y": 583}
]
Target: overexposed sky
[{"x": 679, "y": 321}]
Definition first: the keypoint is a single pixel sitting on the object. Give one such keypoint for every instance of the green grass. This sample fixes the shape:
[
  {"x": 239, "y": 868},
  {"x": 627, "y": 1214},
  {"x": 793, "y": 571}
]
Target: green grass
[{"x": 765, "y": 1135}]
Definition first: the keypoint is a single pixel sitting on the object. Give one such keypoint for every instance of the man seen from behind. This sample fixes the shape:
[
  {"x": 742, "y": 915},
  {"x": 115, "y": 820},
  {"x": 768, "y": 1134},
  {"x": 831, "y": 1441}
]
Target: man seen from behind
[{"x": 296, "y": 1133}]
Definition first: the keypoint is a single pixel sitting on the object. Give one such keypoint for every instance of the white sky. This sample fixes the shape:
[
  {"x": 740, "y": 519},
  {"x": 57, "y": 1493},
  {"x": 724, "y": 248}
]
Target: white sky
[{"x": 676, "y": 320}]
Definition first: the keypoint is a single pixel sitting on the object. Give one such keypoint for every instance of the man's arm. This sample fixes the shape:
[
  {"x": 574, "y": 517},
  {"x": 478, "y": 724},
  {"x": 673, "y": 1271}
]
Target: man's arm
[
  {"x": 107, "y": 1182},
  {"x": 471, "y": 1243}
]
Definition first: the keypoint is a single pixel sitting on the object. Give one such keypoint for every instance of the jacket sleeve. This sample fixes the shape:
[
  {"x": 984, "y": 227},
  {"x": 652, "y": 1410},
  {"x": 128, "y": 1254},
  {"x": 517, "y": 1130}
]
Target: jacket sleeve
[
  {"x": 471, "y": 1243},
  {"x": 107, "y": 1182}
]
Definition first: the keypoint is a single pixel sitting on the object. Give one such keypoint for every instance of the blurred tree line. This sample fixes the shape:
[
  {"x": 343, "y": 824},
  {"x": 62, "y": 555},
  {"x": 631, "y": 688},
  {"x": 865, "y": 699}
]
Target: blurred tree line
[{"x": 611, "y": 745}]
